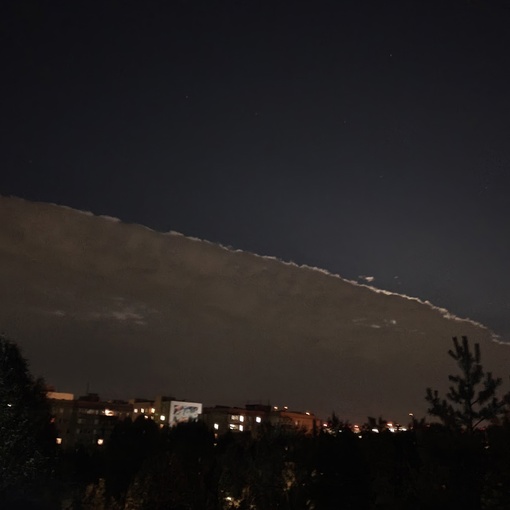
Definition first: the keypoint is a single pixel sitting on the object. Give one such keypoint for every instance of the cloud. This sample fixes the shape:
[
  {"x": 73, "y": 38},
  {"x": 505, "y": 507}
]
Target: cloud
[{"x": 138, "y": 312}]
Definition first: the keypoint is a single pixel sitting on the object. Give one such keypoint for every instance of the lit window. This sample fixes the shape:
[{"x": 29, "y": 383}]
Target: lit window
[
  {"x": 241, "y": 428},
  {"x": 136, "y": 410},
  {"x": 100, "y": 441},
  {"x": 258, "y": 419},
  {"x": 162, "y": 418},
  {"x": 234, "y": 417},
  {"x": 59, "y": 440},
  {"x": 142, "y": 410},
  {"x": 108, "y": 412},
  {"x": 216, "y": 426},
  {"x": 241, "y": 418},
  {"x": 153, "y": 410},
  {"x": 233, "y": 426}
]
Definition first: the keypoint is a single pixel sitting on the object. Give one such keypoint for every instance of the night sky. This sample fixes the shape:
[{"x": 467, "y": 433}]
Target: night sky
[{"x": 366, "y": 138}]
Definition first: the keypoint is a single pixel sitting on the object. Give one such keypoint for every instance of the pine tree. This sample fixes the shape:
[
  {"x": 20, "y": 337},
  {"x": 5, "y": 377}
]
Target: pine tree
[{"x": 471, "y": 398}]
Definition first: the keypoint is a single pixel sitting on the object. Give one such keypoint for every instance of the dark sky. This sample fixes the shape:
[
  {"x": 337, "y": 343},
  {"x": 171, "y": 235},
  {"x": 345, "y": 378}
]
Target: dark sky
[{"x": 367, "y": 138}]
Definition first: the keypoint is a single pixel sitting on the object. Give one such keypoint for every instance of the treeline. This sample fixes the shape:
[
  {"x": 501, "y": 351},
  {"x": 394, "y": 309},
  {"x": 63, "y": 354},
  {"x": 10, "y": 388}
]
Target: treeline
[
  {"x": 456, "y": 464},
  {"x": 145, "y": 467}
]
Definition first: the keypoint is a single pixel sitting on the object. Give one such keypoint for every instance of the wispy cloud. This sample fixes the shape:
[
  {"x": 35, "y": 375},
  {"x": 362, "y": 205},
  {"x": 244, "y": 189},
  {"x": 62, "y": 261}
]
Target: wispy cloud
[{"x": 135, "y": 314}]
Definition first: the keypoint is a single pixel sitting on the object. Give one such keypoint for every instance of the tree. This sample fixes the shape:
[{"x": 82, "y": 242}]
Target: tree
[
  {"x": 27, "y": 437},
  {"x": 471, "y": 398}
]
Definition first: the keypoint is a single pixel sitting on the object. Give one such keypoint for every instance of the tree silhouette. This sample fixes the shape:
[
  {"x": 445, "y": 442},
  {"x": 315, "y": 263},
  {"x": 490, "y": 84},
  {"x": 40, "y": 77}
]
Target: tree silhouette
[
  {"x": 28, "y": 438},
  {"x": 471, "y": 398}
]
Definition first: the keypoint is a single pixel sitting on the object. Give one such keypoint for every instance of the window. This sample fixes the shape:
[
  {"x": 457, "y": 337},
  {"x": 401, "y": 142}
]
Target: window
[
  {"x": 258, "y": 419},
  {"x": 241, "y": 418},
  {"x": 216, "y": 426}
]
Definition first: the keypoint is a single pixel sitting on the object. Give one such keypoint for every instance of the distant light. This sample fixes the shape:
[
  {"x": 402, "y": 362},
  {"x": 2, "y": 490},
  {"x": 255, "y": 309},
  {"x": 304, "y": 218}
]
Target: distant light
[
  {"x": 376, "y": 431},
  {"x": 9, "y": 405},
  {"x": 361, "y": 437},
  {"x": 58, "y": 440},
  {"x": 142, "y": 410},
  {"x": 100, "y": 441},
  {"x": 216, "y": 426},
  {"x": 285, "y": 407},
  {"x": 307, "y": 413},
  {"x": 136, "y": 410},
  {"x": 275, "y": 408},
  {"x": 162, "y": 418},
  {"x": 258, "y": 419},
  {"x": 153, "y": 410},
  {"x": 108, "y": 412}
]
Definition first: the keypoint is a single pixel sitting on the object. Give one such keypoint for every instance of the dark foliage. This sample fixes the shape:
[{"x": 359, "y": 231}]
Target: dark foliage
[
  {"x": 130, "y": 445},
  {"x": 27, "y": 445}
]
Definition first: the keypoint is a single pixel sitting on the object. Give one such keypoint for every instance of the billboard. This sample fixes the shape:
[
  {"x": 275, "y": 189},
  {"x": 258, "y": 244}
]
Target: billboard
[{"x": 182, "y": 412}]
